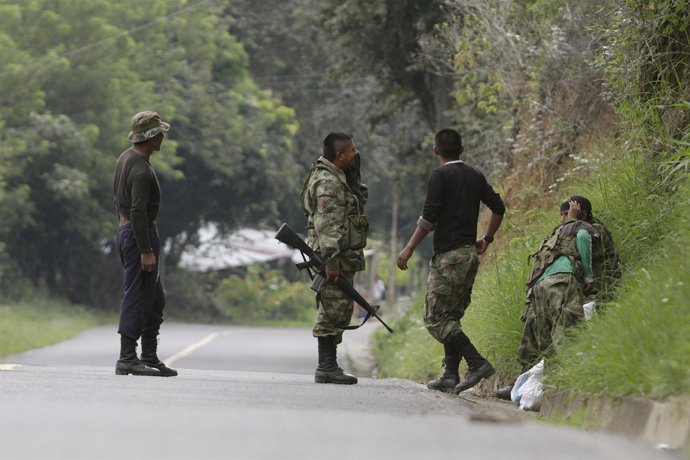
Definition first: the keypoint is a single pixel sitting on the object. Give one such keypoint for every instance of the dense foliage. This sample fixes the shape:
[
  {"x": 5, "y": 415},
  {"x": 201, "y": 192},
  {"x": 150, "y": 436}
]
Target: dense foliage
[
  {"x": 624, "y": 143},
  {"x": 74, "y": 73}
]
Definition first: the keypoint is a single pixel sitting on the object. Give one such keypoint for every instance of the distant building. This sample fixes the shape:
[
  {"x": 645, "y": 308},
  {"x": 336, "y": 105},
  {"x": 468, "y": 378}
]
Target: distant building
[
  {"x": 240, "y": 248},
  {"x": 247, "y": 246}
]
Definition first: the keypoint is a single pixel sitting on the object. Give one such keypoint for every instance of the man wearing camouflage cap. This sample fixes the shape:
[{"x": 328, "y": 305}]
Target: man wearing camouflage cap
[{"x": 137, "y": 197}]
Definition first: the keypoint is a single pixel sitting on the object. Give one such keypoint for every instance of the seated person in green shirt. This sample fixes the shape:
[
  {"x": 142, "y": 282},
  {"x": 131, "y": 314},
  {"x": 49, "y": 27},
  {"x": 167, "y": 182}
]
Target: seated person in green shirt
[
  {"x": 606, "y": 264},
  {"x": 561, "y": 275}
]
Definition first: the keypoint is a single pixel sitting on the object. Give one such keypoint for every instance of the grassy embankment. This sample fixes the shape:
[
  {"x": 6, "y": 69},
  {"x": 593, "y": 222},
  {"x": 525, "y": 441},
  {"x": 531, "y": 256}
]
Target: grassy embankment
[
  {"x": 38, "y": 323},
  {"x": 638, "y": 344}
]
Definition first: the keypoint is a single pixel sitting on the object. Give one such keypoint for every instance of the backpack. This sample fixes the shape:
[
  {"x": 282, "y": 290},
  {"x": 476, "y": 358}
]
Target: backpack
[{"x": 561, "y": 242}]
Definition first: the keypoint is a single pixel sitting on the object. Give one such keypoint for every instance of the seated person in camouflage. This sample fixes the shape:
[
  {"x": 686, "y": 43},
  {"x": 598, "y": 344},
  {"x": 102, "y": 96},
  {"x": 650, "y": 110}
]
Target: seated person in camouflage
[
  {"x": 605, "y": 260},
  {"x": 561, "y": 275}
]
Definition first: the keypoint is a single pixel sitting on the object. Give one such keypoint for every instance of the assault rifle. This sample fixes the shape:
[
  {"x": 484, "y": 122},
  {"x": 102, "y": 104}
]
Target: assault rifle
[{"x": 316, "y": 264}]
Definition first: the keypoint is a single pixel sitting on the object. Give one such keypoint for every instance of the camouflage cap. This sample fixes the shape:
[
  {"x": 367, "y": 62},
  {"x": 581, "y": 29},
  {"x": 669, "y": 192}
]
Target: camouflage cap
[{"x": 145, "y": 125}]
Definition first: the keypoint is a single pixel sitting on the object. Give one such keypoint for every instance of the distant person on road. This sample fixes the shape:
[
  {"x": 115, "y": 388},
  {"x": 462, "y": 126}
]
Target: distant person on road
[
  {"x": 453, "y": 196},
  {"x": 359, "y": 311},
  {"x": 561, "y": 276},
  {"x": 137, "y": 196},
  {"x": 333, "y": 198},
  {"x": 379, "y": 289}
]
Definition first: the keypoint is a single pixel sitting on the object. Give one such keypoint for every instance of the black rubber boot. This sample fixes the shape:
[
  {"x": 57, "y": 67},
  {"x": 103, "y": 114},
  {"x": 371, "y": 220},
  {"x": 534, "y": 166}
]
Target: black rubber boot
[
  {"x": 478, "y": 367},
  {"x": 149, "y": 356},
  {"x": 504, "y": 393},
  {"x": 450, "y": 376},
  {"x": 328, "y": 370},
  {"x": 475, "y": 376},
  {"x": 129, "y": 363}
]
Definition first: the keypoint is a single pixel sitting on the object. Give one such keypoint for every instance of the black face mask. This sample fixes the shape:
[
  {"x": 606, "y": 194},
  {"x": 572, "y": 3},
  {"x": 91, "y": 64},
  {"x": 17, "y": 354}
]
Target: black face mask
[
  {"x": 356, "y": 162},
  {"x": 352, "y": 173}
]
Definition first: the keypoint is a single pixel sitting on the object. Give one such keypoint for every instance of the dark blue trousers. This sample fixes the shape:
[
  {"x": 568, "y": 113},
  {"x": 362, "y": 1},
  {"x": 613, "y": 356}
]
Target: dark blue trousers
[{"x": 143, "y": 301}]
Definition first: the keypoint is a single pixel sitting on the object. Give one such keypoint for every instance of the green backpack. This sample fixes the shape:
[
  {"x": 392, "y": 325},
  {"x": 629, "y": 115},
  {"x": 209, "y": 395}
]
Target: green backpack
[{"x": 561, "y": 242}]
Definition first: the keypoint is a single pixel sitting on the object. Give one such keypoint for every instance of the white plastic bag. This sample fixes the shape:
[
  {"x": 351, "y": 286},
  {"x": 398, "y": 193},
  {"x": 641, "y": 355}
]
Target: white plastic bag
[
  {"x": 528, "y": 388},
  {"x": 590, "y": 309}
]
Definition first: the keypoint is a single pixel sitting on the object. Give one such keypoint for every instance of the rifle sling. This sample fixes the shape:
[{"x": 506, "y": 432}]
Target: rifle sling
[
  {"x": 308, "y": 264},
  {"x": 345, "y": 328}
]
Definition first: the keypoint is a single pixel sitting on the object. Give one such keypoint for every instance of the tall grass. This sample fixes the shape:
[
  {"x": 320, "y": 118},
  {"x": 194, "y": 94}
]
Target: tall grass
[
  {"x": 493, "y": 319},
  {"x": 410, "y": 352},
  {"x": 638, "y": 184},
  {"x": 40, "y": 322},
  {"x": 640, "y": 345},
  {"x": 637, "y": 345}
]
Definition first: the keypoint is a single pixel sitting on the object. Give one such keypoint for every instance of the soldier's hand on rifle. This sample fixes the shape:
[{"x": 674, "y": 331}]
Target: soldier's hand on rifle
[{"x": 332, "y": 274}]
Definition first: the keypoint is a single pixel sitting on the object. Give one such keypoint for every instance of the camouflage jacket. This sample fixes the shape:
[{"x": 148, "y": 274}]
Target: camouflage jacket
[{"x": 336, "y": 225}]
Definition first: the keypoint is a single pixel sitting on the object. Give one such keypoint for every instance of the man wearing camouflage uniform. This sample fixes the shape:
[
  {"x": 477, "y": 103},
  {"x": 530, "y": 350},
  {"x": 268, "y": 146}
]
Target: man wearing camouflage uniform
[
  {"x": 453, "y": 196},
  {"x": 333, "y": 198},
  {"x": 561, "y": 275},
  {"x": 137, "y": 197}
]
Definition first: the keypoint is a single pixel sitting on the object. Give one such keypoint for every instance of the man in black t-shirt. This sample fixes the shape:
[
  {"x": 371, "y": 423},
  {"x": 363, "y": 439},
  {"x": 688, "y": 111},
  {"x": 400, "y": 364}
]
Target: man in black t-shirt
[
  {"x": 137, "y": 197},
  {"x": 451, "y": 211}
]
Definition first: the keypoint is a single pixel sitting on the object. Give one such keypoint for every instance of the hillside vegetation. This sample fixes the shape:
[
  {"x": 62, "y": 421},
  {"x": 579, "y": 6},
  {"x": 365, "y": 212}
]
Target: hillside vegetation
[{"x": 635, "y": 173}]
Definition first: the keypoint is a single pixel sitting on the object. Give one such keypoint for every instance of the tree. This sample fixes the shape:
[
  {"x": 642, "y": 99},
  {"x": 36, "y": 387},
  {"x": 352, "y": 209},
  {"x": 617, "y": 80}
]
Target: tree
[
  {"x": 382, "y": 38},
  {"x": 81, "y": 69},
  {"x": 61, "y": 222},
  {"x": 524, "y": 81}
]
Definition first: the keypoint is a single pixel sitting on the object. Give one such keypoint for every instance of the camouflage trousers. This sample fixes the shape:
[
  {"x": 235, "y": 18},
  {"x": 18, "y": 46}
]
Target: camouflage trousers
[
  {"x": 334, "y": 311},
  {"x": 554, "y": 304},
  {"x": 449, "y": 290}
]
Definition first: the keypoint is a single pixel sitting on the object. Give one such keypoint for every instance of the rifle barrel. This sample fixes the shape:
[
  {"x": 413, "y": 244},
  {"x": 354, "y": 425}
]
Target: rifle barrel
[{"x": 357, "y": 297}]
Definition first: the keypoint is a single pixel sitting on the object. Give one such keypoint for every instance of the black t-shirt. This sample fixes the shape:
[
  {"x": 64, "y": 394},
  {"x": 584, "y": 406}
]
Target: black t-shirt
[
  {"x": 453, "y": 194},
  {"x": 137, "y": 194}
]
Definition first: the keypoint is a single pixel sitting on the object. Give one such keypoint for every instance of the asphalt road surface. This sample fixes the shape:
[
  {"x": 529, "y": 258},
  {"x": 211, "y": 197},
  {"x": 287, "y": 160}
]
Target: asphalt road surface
[{"x": 249, "y": 393}]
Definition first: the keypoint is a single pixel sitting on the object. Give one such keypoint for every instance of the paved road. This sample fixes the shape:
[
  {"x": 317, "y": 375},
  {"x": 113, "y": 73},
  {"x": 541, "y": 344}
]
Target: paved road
[{"x": 248, "y": 393}]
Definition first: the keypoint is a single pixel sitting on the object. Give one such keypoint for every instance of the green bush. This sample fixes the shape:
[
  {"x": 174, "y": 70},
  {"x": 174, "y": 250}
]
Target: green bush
[
  {"x": 190, "y": 295},
  {"x": 263, "y": 295}
]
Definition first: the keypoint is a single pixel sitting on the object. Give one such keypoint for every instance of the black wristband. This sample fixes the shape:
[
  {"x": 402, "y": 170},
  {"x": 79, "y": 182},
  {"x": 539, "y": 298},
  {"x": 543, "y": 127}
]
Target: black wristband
[{"x": 488, "y": 239}]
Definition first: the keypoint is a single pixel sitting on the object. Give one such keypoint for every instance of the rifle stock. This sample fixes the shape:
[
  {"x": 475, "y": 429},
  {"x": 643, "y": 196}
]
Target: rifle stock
[{"x": 287, "y": 235}]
